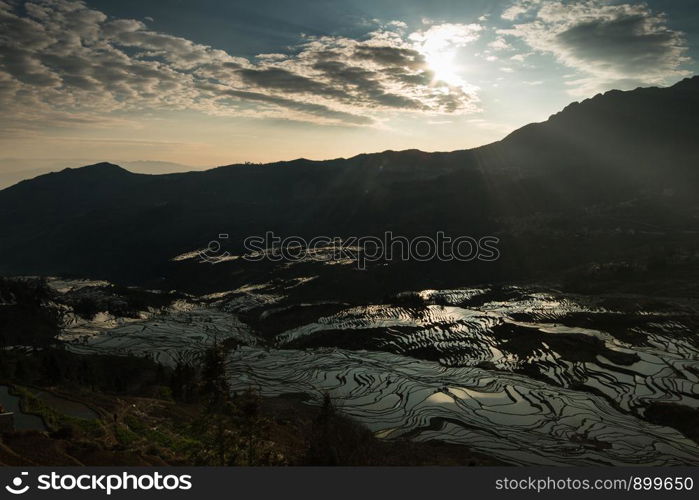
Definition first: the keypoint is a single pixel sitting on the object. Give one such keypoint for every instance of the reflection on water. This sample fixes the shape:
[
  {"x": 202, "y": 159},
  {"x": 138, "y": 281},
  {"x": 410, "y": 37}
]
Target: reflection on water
[
  {"x": 530, "y": 377},
  {"x": 23, "y": 421},
  {"x": 512, "y": 417},
  {"x": 177, "y": 334}
]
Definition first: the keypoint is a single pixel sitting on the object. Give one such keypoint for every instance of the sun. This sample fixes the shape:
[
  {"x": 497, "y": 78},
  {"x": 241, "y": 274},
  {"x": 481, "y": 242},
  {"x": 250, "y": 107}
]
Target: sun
[
  {"x": 443, "y": 65},
  {"x": 440, "y": 46}
]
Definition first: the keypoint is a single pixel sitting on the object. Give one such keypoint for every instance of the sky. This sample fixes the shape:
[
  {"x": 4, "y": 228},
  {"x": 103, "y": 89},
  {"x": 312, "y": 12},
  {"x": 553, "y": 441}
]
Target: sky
[{"x": 213, "y": 82}]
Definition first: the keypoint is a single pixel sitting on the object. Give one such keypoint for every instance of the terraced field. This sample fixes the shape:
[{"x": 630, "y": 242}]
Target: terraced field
[{"x": 528, "y": 376}]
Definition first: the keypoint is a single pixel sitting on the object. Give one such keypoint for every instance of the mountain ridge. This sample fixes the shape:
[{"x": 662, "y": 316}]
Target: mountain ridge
[
  {"x": 689, "y": 84},
  {"x": 619, "y": 160}
]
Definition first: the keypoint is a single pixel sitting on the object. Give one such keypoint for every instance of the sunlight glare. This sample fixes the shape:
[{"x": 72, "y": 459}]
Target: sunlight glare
[
  {"x": 440, "y": 45},
  {"x": 443, "y": 65}
]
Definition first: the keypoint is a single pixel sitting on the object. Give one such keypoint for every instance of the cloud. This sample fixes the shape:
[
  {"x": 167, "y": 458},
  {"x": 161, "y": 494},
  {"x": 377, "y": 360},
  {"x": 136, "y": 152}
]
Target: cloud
[
  {"x": 610, "y": 45},
  {"x": 500, "y": 44},
  {"x": 444, "y": 36},
  {"x": 521, "y": 57},
  {"x": 440, "y": 44},
  {"x": 61, "y": 61},
  {"x": 519, "y": 8}
]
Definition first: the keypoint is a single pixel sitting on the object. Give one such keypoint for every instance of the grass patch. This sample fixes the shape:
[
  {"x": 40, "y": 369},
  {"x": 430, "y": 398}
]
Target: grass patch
[{"x": 55, "y": 421}]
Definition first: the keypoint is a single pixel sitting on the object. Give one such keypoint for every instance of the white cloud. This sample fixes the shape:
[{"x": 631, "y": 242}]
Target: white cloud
[
  {"x": 500, "y": 44},
  {"x": 439, "y": 45},
  {"x": 445, "y": 36},
  {"x": 610, "y": 45},
  {"x": 519, "y": 8},
  {"x": 63, "y": 63},
  {"x": 521, "y": 57}
]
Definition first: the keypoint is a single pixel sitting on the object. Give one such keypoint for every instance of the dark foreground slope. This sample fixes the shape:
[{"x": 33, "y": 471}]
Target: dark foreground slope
[{"x": 610, "y": 180}]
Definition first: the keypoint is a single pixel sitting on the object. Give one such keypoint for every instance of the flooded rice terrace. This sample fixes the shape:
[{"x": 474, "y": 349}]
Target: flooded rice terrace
[{"x": 527, "y": 376}]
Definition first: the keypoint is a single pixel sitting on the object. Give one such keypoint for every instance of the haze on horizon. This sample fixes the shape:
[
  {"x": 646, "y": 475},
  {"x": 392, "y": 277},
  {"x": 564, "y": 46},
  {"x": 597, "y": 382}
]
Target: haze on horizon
[{"x": 204, "y": 83}]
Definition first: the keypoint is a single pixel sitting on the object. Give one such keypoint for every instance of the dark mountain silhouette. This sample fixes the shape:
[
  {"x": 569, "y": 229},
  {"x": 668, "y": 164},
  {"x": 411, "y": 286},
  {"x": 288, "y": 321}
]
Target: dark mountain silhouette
[{"x": 613, "y": 178}]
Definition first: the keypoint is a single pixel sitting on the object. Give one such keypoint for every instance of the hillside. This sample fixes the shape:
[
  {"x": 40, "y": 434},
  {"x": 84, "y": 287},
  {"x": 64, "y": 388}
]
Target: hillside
[{"x": 599, "y": 180}]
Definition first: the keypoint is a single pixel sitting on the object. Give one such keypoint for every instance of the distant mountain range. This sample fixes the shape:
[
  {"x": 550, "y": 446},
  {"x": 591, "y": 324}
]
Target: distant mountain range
[
  {"x": 13, "y": 170},
  {"x": 613, "y": 178}
]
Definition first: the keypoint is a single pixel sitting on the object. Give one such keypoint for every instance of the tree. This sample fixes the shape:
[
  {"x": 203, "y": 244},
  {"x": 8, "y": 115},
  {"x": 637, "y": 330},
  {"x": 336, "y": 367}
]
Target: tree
[
  {"x": 184, "y": 382},
  {"x": 321, "y": 448},
  {"x": 252, "y": 424},
  {"x": 216, "y": 427},
  {"x": 215, "y": 387}
]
